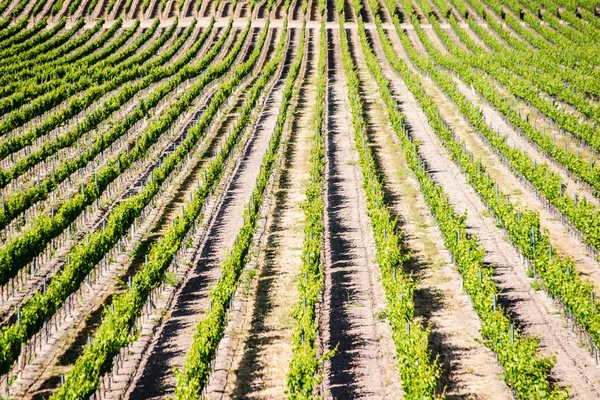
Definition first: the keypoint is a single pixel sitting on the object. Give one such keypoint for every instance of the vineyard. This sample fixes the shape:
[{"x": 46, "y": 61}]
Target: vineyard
[{"x": 299, "y": 199}]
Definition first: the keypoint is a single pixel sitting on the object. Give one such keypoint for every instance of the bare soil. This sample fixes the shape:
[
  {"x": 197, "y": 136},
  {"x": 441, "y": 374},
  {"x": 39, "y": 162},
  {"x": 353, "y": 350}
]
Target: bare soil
[
  {"x": 241, "y": 342},
  {"x": 361, "y": 367},
  {"x": 533, "y": 310},
  {"x": 469, "y": 368},
  {"x": 174, "y": 337},
  {"x": 263, "y": 339}
]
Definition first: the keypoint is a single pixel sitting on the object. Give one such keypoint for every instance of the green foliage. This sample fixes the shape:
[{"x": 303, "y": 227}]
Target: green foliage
[
  {"x": 116, "y": 328},
  {"x": 19, "y": 251},
  {"x": 9, "y": 34},
  {"x": 558, "y": 274},
  {"x": 302, "y": 376},
  {"x": 210, "y": 330},
  {"x": 74, "y": 5},
  {"x": 25, "y": 39},
  {"x": 85, "y": 256},
  {"x": 525, "y": 371},
  {"x": 419, "y": 373}
]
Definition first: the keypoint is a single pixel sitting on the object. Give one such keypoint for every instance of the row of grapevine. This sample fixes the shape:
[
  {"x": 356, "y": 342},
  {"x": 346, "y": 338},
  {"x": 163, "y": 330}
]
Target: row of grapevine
[
  {"x": 537, "y": 60},
  {"x": 17, "y": 35},
  {"x": 559, "y": 276},
  {"x": 39, "y": 39},
  {"x": 302, "y": 376},
  {"x": 521, "y": 88},
  {"x": 107, "y": 142},
  {"x": 113, "y": 103},
  {"x": 546, "y": 79},
  {"x": 101, "y": 148},
  {"x": 56, "y": 96},
  {"x": 542, "y": 38},
  {"x": 45, "y": 103},
  {"x": 19, "y": 251},
  {"x": 12, "y": 31},
  {"x": 3, "y": 6},
  {"x": 579, "y": 212},
  {"x": 553, "y": 29},
  {"x": 66, "y": 52},
  {"x": 84, "y": 256},
  {"x": 73, "y": 6},
  {"x": 28, "y": 71},
  {"x": 32, "y": 142},
  {"x": 573, "y": 7},
  {"x": 118, "y": 322},
  {"x": 526, "y": 372},
  {"x": 20, "y": 7},
  {"x": 35, "y": 48},
  {"x": 211, "y": 328},
  {"x": 47, "y": 94},
  {"x": 419, "y": 373}
]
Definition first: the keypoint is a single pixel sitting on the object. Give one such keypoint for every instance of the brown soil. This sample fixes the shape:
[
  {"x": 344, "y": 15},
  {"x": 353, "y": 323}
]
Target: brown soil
[
  {"x": 533, "y": 310},
  {"x": 353, "y": 298},
  {"x": 469, "y": 368},
  {"x": 262, "y": 341},
  {"x": 230, "y": 363},
  {"x": 170, "y": 346}
]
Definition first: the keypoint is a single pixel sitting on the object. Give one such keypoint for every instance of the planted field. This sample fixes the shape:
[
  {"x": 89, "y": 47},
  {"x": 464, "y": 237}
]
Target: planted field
[{"x": 303, "y": 198}]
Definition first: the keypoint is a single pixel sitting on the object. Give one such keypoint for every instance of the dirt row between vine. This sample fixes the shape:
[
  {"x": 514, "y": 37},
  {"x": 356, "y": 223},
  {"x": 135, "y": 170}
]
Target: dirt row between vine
[
  {"x": 363, "y": 365},
  {"x": 259, "y": 336},
  {"x": 533, "y": 310},
  {"x": 469, "y": 368},
  {"x": 65, "y": 346},
  {"x": 173, "y": 338}
]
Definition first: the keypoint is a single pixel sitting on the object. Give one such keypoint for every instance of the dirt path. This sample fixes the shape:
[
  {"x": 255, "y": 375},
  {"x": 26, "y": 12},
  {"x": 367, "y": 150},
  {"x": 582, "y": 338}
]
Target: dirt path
[
  {"x": 261, "y": 345},
  {"x": 65, "y": 346},
  {"x": 353, "y": 296},
  {"x": 469, "y": 368},
  {"x": 225, "y": 358},
  {"x": 174, "y": 336},
  {"x": 561, "y": 236},
  {"x": 533, "y": 310}
]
